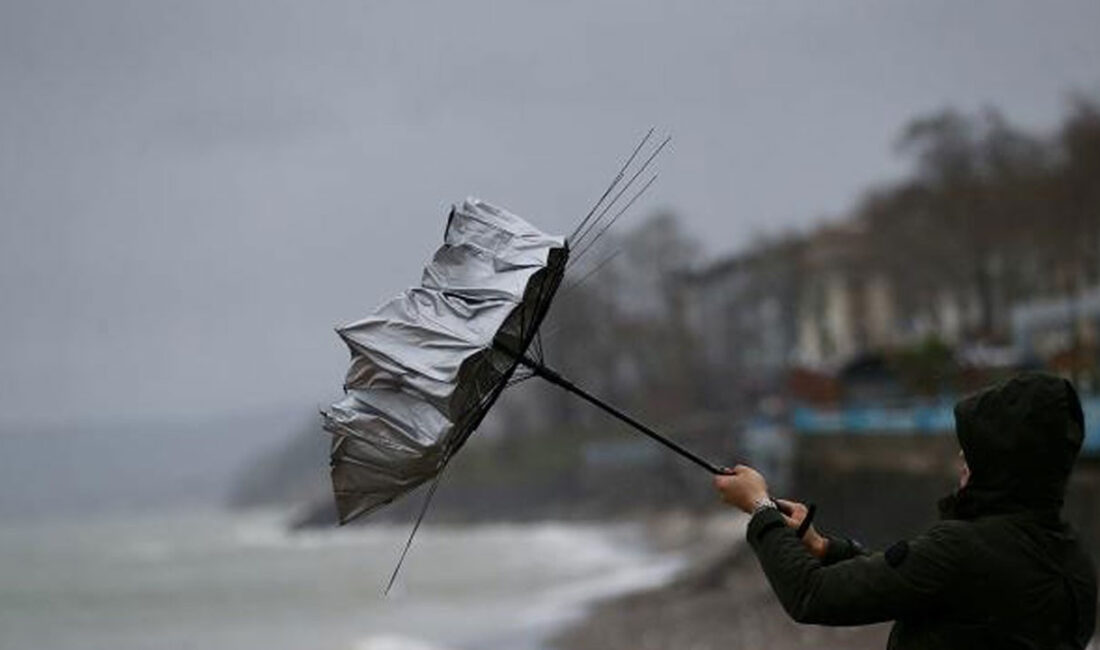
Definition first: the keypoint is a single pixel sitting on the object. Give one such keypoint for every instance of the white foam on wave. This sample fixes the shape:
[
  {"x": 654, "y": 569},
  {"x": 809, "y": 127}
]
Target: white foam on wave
[
  {"x": 571, "y": 601},
  {"x": 394, "y": 642},
  {"x": 576, "y": 544},
  {"x": 270, "y": 530},
  {"x": 631, "y": 570},
  {"x": 517, "y": 580},
  {"x": 148, "y": 551}
]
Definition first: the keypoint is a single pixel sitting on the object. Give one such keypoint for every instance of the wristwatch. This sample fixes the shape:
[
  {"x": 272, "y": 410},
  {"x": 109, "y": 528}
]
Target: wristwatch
[{"x": 762, "y": 503}]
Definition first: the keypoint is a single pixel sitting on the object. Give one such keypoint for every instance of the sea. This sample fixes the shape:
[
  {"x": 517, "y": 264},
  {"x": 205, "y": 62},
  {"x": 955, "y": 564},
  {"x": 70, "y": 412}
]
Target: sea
[{"x": 217, "y": 580}]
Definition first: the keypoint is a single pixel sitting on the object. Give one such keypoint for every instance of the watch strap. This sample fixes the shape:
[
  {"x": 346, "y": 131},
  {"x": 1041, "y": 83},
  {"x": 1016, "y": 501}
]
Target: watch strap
[{"x": 763, "y": 503}]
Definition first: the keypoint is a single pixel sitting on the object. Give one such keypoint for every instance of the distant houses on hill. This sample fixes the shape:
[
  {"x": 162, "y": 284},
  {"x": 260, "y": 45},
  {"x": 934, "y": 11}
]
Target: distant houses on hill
[{"x": 825, "y": 304}]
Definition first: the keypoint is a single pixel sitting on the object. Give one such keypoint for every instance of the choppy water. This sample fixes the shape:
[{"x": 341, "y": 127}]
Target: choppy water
[{"x": 215, "y": 580}]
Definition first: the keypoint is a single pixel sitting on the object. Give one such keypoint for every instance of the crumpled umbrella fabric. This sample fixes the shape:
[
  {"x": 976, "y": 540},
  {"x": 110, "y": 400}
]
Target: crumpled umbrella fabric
[{"x": 426, "y": 366}]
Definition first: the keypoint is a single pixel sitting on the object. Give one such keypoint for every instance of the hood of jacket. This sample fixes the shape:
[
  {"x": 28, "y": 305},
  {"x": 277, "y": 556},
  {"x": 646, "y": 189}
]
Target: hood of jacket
[{"x": 1020, "y": 438}]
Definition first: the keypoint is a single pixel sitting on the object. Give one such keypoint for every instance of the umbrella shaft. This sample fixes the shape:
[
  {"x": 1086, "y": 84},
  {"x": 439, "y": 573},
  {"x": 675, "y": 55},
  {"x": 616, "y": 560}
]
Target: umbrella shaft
[{"x": 556, "y": 379}]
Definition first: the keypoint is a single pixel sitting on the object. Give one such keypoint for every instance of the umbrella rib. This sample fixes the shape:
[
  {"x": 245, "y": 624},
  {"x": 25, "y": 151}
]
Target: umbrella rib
[
  {"x": 623, "y": 190},
  {"x": 523, "y": 317},
  {"x": 634, "y": 177},
  {"x": 518, "y": 380},
  {"x": 537, "y": 340},
  {"x": 590, "y": 243},
  {"x": 534, "y": 317},
  {"x": 416, "y": 527},
  {"x": 614, "y": 182},
  {"x": 596, "y": 269},
  {"x": 556, "y": 286},
  {"x": 483, "y": 398},
  {"x": 536, "y": 346}
]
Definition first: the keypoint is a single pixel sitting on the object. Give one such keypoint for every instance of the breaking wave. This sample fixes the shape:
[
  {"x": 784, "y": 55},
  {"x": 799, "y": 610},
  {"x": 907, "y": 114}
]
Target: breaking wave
[{"x": 394, "y": 642}]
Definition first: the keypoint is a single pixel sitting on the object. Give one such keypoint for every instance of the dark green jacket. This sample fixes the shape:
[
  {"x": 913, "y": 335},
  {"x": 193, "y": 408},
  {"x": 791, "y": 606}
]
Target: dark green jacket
[{"x": 999, "y": 571}]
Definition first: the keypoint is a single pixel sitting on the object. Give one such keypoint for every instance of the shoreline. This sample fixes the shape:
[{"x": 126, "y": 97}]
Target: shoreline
[{"x": 720, "y": 600}]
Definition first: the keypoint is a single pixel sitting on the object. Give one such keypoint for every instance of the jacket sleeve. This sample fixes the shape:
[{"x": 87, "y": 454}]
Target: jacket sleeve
[
  {"x": 840, "y": 549},
  {"x": 864, "y": 588}
]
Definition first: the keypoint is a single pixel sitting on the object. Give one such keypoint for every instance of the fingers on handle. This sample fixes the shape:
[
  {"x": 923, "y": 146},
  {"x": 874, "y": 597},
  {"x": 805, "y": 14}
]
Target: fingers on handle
[{"x": 807, "y": 521}]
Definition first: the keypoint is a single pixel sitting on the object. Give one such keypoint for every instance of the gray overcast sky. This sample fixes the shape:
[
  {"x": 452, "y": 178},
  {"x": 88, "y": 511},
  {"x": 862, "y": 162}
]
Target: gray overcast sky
[{"x": 193, "y": 193}]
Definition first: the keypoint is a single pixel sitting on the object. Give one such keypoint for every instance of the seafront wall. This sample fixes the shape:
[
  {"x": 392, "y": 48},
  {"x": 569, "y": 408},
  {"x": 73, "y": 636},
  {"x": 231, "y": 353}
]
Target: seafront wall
[{"x": 879, "y": 487}]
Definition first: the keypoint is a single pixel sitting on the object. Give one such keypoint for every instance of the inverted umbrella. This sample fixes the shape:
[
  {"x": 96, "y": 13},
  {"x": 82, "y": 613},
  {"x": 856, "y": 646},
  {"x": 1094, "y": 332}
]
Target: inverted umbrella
[{"x": 427, "y": 365}]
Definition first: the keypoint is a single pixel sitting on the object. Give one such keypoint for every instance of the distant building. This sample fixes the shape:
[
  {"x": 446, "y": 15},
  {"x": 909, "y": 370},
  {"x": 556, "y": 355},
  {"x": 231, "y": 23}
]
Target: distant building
[
  {"x": 1043, "y": 328},
  {"x": 742, "y": 314},
  {"x": 834, "y": 298},
  {"x": 848, "y": 304}
]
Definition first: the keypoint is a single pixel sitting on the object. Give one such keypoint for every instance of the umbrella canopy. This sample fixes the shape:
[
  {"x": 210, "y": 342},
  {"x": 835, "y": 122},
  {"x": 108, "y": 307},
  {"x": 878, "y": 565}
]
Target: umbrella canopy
[{"x": 427, "y": 365}]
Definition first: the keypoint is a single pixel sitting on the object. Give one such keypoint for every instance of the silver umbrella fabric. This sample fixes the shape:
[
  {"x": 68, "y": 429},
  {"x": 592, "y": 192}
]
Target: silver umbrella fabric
[{"x": 427, "y": 365}]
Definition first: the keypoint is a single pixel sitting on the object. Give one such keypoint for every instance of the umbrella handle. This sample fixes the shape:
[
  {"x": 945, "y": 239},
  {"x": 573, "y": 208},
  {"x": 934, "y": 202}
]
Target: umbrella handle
[
  {"x": 804, "y": 527},
  {"x": 554, "y": 378}
]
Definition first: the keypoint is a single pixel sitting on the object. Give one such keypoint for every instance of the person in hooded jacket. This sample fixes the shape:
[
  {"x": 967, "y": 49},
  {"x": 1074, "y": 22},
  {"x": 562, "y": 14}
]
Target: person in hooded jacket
[{"x": 1000, "y": 570}]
